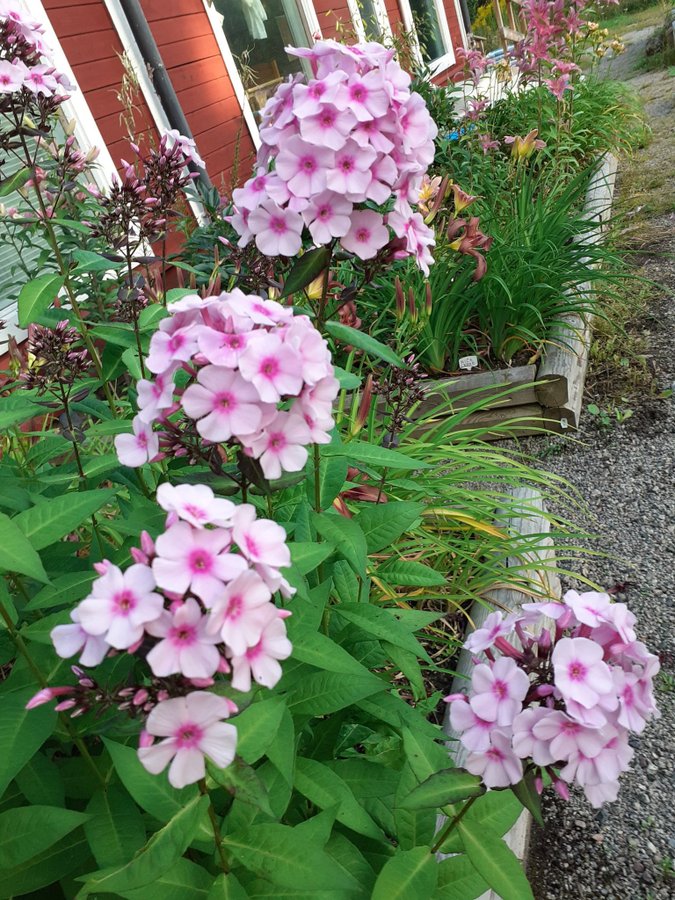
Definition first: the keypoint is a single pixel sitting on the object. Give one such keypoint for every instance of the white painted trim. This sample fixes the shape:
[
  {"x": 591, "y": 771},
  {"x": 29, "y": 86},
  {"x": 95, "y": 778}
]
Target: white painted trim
[
  {"x": 462, "y": 27},
  {"x": 448, "y": 59},
  {"x": 87, "y": 133},
  {"x": 380, "y": 12},
  {"x": 232, "y": 71}
]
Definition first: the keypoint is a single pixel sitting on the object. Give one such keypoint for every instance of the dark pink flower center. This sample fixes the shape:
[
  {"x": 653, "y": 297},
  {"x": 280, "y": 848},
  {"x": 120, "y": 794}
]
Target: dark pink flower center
[
  {"x": 278, "y": 224},
  {"x": 576, "y": 670},
  {"x": 176, "y": 342},
  {"x": 226, "y": 402},
  {"x": 188, "y": 736},
  {"x": 308, "y": 164},
  {"x": 627, "y": 695},
  {"x": 500, "y": 690},
  {"x": 142, "y": 440},
  {"x": 317, "y": 89},
  {"x": 195, "y": 511},
  {"x": 346, "y": 164},
  {"x": 200, "y": 562},
  {"x": 269, "y": 367},
  {"x": 570, "y": 728},
  {"x": 494, "y": 754},
  {"x": 234, "y": 607},
  {"x": 125, "y": 602},
  {"x": 251, "y": 546},
  {"x": 325, "y": 212},
  {"x": 327, "y": 118},
  {"x": 362, "y": 235},
  {"x": 258, "y": 184},
  {"x": 183, "y": 634},
  {"x": 358, "y": 92},
  {"x": 277, "y": 441}
]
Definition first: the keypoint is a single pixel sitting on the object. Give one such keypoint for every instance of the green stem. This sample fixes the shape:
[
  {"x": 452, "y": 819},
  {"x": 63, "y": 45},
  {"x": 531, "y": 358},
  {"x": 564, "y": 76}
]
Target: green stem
[
  {"x": 452, "y": 825},
  {"x": 204, "y": 791},
  {"x": 20, "y": 644}
]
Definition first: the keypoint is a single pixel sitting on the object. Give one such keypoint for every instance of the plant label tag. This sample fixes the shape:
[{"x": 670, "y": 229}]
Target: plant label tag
[
  {"x": 564, "y": 423},
  {"x": 468, "y": 362}
]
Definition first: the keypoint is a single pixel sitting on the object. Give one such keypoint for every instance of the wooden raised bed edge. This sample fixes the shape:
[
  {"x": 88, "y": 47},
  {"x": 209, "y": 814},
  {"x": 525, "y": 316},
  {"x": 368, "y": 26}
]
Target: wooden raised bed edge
[
  {"x": 547, "y": 398},
  {"x": 530, "y": 521}
]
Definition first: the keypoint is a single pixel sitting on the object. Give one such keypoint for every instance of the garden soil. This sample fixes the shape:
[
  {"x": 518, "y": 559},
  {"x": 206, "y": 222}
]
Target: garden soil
[{"x": 625, "y": 474}]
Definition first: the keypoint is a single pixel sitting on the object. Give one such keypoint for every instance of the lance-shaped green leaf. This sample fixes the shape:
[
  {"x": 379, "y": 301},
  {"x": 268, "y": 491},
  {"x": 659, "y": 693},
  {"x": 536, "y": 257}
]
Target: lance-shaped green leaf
[
  {"x": 371, "y": 455},
  {"x": 379, "y": 624},
  {"x": 115, "y": 829},
  {"x": 30, "y": 830},
  {"x": 408, "y": 573},
  {"x": 383, "y": 523},
  {"x": 409, "y": 875},
  {"x": 185, "y": 880},
  {"x": 257, "y": 727},
  {"x": 495, "y": 862},
  {"x": 526, "y": 792},
  {"x": 307, "y": 556},
  {"x": 163, "y": 849},
  {"x": 14, "y": 182},
  {"x": 22, "y": 732},
  {"x": 17, "y": 554},
  {"x": 50, "y": 520},
  {"x": 37, "y": 296},
  {"x": 347, "y": 538},
  {"x": 305, "y": 269},
  {"x": 458, "y": 880},
  {"x": 443, "y": 788},
  {"x": 362, "y": 341}
]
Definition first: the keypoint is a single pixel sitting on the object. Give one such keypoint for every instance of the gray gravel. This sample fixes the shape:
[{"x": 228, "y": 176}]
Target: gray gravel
[{"x": 626, "y": 474}]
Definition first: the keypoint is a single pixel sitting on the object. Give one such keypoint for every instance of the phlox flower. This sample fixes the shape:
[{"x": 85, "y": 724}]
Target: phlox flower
[
  {"x": 262, "y": 660},
  {"x": 350, "y": 175},
  {"x": 138, "y": 448},
  {"x": 367, "y": 234},
  {"x": 579, "y": 672},
  {"x": 277, "y": 231},
  {"x": 281, "y": 446},
  {"x": 197, "y": 560},
  {"x": 327, "y": 216},
  {"x": 495, "y": 625},
  {"x": 498, "y": 766},
  {"x": 154, "y": 397},
  {"x": 589, "y": 607},
  {"x": 636, "y": 702},
  {"x": 169, "y": 349},
  {"x": 186, "y": 145},
  {"x": 498, "y": 691},
  {"x": 526, "y": 743},
  {"x": 223, "y": 403},
  {"x": 303, "y": 166},
  {"x": 235, "y": 617},
  {"x": 120, "y": 605},
  {"x": 328, "y": 128},
  {"x": 253, "y": 192},
  {"x": 71, "y": 639},
  {"x": 475, "y": 732},
  {"x": 312, "y": 350},
  {"x": 11, "y": 77},
  {"x": 260, "y": 540},
  {"x": 196, "y": 504},
  {"x": 222, "y": 348},
  {"x": 40, "y": 80},
  {"x": 365, "y": 96},
  {"x": 192, "y": 729},
  {"x": 186, "y": 647},
  {"x": 566, "y": 737},
  {"x": 271, "y": 367}
]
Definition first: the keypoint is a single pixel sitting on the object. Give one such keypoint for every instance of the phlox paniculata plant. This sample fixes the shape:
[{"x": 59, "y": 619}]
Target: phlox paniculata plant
[
  {"x": 333, "y": 145},
  {"x": 258, "y": 378},
  {"x": 196, "y": 608},
  {"x": 562, "y": 701}
]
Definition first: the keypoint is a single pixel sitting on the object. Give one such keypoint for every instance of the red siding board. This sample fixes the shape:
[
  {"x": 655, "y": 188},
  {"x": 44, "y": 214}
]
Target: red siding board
[
  {"x": 205, "y": 95},
  {"x": 191, "y": 26},
  {"x": 196, "y": 73},
  {"x": 161, "y": 9},
  {"x": 189, "y": 51},
  {"x": 80, "y": 20},
  {"x": 97, "y": 46}
]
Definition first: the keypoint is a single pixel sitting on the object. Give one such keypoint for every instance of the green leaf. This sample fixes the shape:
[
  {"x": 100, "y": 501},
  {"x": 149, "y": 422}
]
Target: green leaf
[
  {"x": 118, "y": 333},
  {"x": 409, "y": 875},
  {"x": 161, "y": 852},
  {"x": 379, "y": 623},
  {"x": 444, "y": 788},
  {"x": 349, "y": 381},
  {"x": 496, "y": 812},
  {"x": 242, "y": 781},
  {"x": 131, "y": 361},
  {"x": 22, "y": 732},
  {"x": 185, "y": 880},
  {"x": 526, "y": 792},
  {"x": 424, "y": 755},
  {"x": 50, "y": 520},
  {"x": 89, "y": 262},
  {"x": 458, "y": 880},
  {"x": 173, "y": 295},
  {"x": 305, "y": 269},
  {"x": 383, "y": 523},
  {"x": 332, "y": 478},
  {"x": 115, "y": 829},
  {"x": 345, "y": 582},
  {"x": 153, "y": 793},
  {"x": 46, "y": 868},
  {"x": 320, "y": 651},
  {"x": 365, "y": 342},
  {"x": 346, "y": 536},
  {"x": 257, "y": 727},
  {"x": 16, "y": 408},
  {"x": 306, "y": 557},
  {"x": 408, "y": 573},
  {"x": 65, "y": 589},
  {"x": 495, "y": 862},
  {"x": 225, "y": 887},
  {"x": 285, "y": 856},
  {"x": 71, "y": 223},
  {"x": 30, "y": 830},
  {"x": 321, "y": 693},
  {"x": 324, "y": 787},
  {"x": 40, "y": 782},
  {"x": 37, "y": 296},
  {"x": 14, "y": 182},
  {"x": 360, "y": 451}
]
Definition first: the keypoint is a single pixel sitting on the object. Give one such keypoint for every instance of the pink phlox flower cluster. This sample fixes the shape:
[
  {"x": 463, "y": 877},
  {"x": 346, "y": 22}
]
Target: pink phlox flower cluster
[
  {"x": 352, "y": 134},
  {"x": 187, "y": 146},
  {"x": 197, "y": 603},
  {"x": 260, "y": 378},
  {"x": 563, "y": 700},
  {"x": 25, "y": 62}
]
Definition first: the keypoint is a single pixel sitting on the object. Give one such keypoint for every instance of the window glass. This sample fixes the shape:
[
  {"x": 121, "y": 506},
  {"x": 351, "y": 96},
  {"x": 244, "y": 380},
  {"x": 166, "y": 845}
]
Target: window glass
[
  {"x": 371, "y": 21},
  {"x": 425, "y": 17},
  {"x": 257, "y": 32}
]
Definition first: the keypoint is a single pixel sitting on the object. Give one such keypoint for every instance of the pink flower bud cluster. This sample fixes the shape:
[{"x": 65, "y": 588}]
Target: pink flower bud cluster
[
  {"x": 352, "y": 135},
  {"x": 245, "y": 356},
  {"x": 24, "y": 55},
  {"x": 563, "y": 701},
  {"x": 196, "y": 603}
]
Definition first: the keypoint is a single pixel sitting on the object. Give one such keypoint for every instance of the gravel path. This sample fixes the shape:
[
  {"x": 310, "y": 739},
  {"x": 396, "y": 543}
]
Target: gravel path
[{"x": 626, "y": 474}]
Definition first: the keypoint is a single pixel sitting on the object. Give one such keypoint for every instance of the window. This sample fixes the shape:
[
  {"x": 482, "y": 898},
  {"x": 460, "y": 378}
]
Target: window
[
  {"x": 428, "y": 20},
  {"x": 370, "y": 20},
  {"x": 257, "y": 33}
]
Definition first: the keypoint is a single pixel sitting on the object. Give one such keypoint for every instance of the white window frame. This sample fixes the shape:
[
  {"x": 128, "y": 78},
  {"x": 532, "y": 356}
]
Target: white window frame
[
  {"x": 307, "y": 12},
  {"x": 87, "y": 134},
  {"x": 380, "y": 12},
  {"x": 448, "y": 59}
]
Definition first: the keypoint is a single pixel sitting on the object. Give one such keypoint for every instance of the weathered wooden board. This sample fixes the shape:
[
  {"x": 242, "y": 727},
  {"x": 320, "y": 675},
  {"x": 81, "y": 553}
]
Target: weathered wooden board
[{"x": 464, "y": 390}]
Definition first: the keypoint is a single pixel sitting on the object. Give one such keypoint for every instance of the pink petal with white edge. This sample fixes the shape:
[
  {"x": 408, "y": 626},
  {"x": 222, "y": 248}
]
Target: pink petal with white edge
[{"x": 187, "y": 767}]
